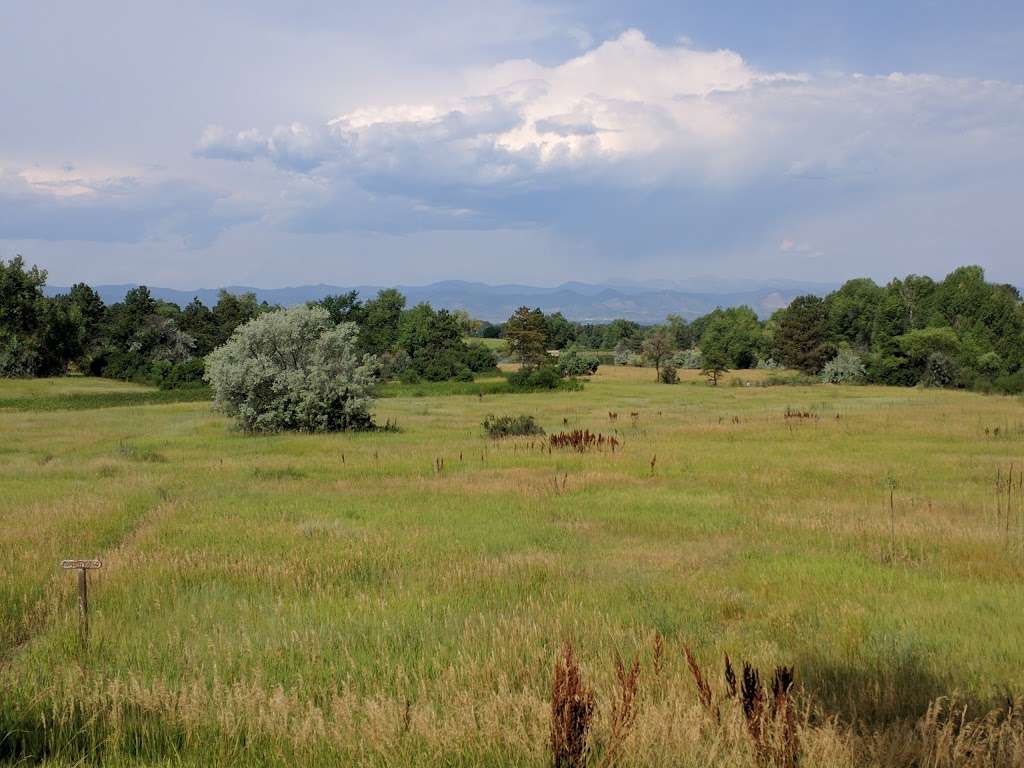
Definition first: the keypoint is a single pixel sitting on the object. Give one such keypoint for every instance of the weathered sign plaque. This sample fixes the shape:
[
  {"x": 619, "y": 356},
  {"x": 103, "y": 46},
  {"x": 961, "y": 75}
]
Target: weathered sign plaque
[{"x": 82, "y": 564}]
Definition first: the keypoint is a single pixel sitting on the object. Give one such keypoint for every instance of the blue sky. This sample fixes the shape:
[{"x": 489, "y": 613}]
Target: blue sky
[{"x": 201, "y": 143}]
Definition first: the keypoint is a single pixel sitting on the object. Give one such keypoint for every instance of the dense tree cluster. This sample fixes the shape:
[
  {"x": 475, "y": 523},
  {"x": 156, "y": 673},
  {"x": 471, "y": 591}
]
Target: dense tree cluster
[
  {"x": 140, "y": 338},
  {"x": 144, "y": 339},
  {"x": 412, "y": 344},
  {"x": 959, "y": 332}
]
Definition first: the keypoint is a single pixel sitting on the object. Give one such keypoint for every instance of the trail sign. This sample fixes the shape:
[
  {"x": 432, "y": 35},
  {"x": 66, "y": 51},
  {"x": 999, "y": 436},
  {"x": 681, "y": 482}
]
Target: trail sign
[
  {"x": 83, "y": 567},
  {"x": 81, "y": 564}
]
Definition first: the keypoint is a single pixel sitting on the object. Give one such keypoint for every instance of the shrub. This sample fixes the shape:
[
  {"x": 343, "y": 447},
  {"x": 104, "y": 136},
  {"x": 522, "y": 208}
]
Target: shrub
[
  {"x": 480, "y": 359},
  {"x": 990, "y": 364},
  {"x": 576, "y": 363},
  {"x": 768, "y": 364},
  {"x": 940, "y": 371},
  {"x": 293, "y": 370},
  {"x": 18, "y": 358},
  {"x": 845, "y": 368},
  {"x": 669, "y": 374},
  {"x": 1011, "y": 384},
  {"x": 689, "y": 359},
  {"x": 545, "y": 377},
  {"x": 167, "y": 375},
  {"x": 397, "y": 364},
  {"x": 511, "y": 426},
  {"x": 442, "y": 365},
  {"x": 622, "y": 354}
]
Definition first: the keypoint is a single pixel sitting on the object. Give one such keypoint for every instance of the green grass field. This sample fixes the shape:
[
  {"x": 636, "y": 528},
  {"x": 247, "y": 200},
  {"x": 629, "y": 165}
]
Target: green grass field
[
  {"x": 400, "y": 598},
  {"x": 497, "y": 345}
]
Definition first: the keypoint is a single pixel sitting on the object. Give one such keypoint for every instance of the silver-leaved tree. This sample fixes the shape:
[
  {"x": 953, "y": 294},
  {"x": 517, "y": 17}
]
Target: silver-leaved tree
[{"x": 293, "y": 370}]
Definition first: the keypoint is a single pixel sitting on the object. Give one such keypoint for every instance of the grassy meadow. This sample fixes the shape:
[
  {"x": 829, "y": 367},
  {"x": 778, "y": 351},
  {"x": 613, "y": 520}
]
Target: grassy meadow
[{"x": 400, "y": 598}]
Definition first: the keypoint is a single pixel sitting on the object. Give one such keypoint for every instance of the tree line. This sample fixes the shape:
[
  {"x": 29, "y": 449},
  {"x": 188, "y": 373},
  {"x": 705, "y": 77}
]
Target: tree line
[
  {"x": 151, "y": 341},
  {"x": 961, "y": 331}
]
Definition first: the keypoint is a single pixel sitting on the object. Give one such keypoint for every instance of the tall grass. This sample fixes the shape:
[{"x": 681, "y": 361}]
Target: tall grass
[{"x": 336, "y": 599}]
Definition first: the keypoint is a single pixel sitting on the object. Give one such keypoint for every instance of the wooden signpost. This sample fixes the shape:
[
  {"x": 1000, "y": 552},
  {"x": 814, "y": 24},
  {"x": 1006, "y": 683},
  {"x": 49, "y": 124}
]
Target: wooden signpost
[{"x": 83, "y": 567}]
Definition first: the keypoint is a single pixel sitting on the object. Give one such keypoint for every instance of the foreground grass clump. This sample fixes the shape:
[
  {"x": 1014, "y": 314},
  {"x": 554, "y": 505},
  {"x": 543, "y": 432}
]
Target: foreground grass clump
[{"x": 325, "y": 599}]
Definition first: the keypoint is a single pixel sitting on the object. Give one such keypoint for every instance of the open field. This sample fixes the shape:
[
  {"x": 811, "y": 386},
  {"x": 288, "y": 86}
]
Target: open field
[
  {"x": 400, "y": 598},
  {"x": 497, "y": 345}
]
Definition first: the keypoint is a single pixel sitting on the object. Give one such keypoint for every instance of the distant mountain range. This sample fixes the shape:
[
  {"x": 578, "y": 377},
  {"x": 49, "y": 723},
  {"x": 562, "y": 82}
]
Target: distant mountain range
[{"x": 643, "y": 302}]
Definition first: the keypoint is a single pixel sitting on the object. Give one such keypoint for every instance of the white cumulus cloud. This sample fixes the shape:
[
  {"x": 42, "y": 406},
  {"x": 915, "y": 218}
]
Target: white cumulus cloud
[{"x": 581, "y": 146}]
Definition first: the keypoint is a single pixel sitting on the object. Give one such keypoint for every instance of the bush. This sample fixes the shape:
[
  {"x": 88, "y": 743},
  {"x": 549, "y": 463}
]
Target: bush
[
  {"x": 668, "y": 374},
  {"x": 1011, "y": 384},
  {"x": 768, "y": 364},
  {"x": 392, "y": 365},
  {"x": 293, "y": 370},
  {"x": 480, "y": 359},
  {"x": 442, "y": 365},
  {"x": 990, "y": 364},
  {"x": 576, "y": 363},
  {"x": 622, "y": 354},
  {"x": 845, "y": 368},
  {"x": 940, "y": 371},
  {"x": 544, "y": 377},
  {"x": 167, "y": 375},
  {"x": 511, "y": 426},
  {"x": 689, "y": 359},
  {"x": 17, "y": 357}
]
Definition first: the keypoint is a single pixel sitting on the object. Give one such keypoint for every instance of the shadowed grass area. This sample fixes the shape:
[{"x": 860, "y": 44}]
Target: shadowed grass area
[
  {"x": 325, "y": 599},
  {"x": 89, "y": 400}
]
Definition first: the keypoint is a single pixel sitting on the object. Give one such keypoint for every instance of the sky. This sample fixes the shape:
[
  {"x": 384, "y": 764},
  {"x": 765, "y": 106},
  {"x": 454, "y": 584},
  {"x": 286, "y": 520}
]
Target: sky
[{"x": 203, "y": 143}]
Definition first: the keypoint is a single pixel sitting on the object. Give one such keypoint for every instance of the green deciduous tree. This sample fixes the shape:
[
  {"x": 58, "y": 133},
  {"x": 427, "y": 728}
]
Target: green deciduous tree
[
  {"x": 714, "y": 351},
  {"x": 736, "y": 333},
  {"x": 344, "y": 307},
  {"x": 23, "y": 317},
  {"x": 681, "y": 332},
  {"x": 851, "y": 312},
  {"x": 657, "y": 348},
  {"x": 382, "y": 319}
]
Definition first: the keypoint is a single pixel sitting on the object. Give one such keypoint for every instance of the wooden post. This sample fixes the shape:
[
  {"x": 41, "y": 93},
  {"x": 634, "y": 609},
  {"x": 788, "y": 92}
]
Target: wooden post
[
  {"x": 83, "y": 604},
  {"x": 82, "y": 566}
]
